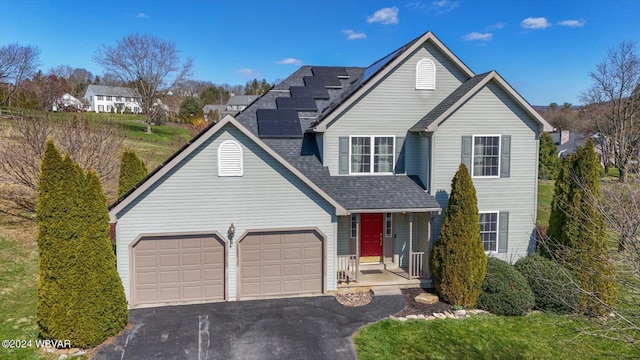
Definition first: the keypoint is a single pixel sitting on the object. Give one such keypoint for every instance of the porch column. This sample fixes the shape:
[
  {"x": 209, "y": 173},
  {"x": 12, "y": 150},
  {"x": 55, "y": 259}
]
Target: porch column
[
  {"x": 357, "y": 246},
  {"x": 410, "y": 245}
]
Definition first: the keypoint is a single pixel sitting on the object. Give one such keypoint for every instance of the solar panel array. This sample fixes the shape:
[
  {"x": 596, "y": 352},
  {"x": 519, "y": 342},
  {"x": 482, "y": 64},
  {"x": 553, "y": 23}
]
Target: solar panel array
[
  {"x": 330, "y": 71},
  {"x": 278, "y": 123},
  {"x": 327, "y": 81},
  {"x": 297, "y": 103},
  {"x": 316, "y": 92}
]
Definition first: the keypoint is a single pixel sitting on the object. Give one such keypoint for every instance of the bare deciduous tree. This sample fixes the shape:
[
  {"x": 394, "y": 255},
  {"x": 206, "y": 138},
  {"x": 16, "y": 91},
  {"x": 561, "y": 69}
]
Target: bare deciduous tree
[
  {"x": 148, "y": 64},
  {"x": 613, "y": 103},
  {"x": 93, "y": 146},
  {"x": 17, "y": 63}
]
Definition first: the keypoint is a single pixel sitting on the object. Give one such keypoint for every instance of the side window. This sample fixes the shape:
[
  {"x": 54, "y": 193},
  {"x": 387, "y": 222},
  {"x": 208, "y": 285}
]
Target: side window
[
  {"x": 230, "y": 159},
  {"x": 388, "y": 225},
  {"x": 486, "y": 156},
  {"x": 489, "y": 231},
  {"x": 425, "y": 75},
  {"x": 354, "y": 226}
]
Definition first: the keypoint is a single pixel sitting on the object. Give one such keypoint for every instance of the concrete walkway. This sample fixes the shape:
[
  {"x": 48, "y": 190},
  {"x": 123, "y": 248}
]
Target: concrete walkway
[{"x": 298, "y": 328}]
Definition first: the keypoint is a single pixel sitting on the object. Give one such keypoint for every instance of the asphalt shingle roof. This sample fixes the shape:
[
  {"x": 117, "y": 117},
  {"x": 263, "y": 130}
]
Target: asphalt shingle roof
[
  {"x": 112, "y": 91},
  {"x": 448, "y": 102}
]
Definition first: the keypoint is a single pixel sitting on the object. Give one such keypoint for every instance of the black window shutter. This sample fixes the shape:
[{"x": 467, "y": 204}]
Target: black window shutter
[
  {"x": 503, "y": 232},
  {"x": 400, "y": 153},
  {"x": 344, "y": 155},
  {"x": 466, "y": 153},
  {"x": 505, "y": 156}
]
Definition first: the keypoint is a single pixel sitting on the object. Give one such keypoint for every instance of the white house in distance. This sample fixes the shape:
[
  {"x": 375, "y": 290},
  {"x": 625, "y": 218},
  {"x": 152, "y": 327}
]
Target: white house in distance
[
  {"x": 107, "y": 98},
  {"x": 65, "y": 101}
]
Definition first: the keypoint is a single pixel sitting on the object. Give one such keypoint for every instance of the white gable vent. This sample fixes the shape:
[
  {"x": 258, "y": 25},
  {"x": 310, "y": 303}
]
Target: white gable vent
[
  {"x": 230, "y": 159},
  {"x": 425, "y": 75}
]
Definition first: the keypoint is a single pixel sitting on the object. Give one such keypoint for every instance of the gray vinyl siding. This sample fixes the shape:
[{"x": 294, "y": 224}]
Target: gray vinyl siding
[
  {"x": 401, "y": 230},
  {"x": 424, "y": 161},
  {"x": 423, "y": 243},
  {"x": 346, "y": 245},
  {"x": 492, "y": 112},
  {"x": 192, "y": 198},
  {"x": 393, "y": 105}
]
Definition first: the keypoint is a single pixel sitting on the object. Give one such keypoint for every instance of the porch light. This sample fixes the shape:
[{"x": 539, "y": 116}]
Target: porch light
[
  {"x": 404, "y": 216},
  {"x": 232, "y": 231}
]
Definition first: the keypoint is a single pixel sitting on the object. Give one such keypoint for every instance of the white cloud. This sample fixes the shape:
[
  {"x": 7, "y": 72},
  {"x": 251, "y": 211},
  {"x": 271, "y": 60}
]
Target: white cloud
[
  {"x": 445, "y": 5},
  {"x": 385, "y": 16},
  {"x": 535, "y": 23},
  {"x": 245, "y": 72},
  {"x": 497, "y": 26},
  {"x": 142, "y": 16},
  {"x": 572, "y": 23},
  {"x": 289, "y": 61},
  {"x": 478, "y": 36},
  {"x": 352, "y": 35},
  {"x": 438, "y": 7}
]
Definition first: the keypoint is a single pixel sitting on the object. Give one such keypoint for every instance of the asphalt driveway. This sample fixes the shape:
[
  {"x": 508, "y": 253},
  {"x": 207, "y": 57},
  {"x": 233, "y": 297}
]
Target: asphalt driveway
[{"x": 298, "y": 328}]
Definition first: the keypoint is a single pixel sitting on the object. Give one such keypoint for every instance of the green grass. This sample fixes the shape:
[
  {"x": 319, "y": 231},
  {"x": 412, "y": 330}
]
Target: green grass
[
  {"x": 545, "y": 196},
  {"x": 18, "y": 291},
  {"x": 535, "y": 336}
]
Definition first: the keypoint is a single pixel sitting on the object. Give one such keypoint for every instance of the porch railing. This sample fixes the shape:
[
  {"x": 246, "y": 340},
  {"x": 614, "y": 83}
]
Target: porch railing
[
  {"x": 416, "y": 270},
  {"x": 347, "y": 268}
]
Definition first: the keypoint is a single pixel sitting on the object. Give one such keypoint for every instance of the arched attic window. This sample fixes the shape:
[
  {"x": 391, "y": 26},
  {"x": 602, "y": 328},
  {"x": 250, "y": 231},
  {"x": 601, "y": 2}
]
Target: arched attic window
[
  {"x": 425, "y": 75},
  {"x": 230, "y": 159}
]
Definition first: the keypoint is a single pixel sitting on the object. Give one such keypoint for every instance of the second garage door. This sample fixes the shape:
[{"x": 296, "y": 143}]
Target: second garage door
[{"x": 280, "y": 263}]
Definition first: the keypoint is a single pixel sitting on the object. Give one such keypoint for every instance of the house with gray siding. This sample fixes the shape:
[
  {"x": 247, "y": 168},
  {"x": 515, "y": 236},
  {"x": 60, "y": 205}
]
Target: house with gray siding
[{"x": 334, "y": 173}]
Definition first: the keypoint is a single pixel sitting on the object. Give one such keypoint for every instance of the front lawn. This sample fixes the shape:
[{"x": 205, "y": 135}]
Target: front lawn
[{"x": 537, "y": 336}]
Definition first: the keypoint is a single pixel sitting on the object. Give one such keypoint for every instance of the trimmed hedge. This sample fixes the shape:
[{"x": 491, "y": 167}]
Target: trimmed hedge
[
  {"x": 505, "y": 291},
  {"x": 554, "y": 287}
]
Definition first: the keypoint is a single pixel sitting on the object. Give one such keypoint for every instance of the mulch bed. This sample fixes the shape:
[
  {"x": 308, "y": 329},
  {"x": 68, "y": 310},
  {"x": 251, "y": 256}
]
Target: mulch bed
[{"x": 414, "y": 308}]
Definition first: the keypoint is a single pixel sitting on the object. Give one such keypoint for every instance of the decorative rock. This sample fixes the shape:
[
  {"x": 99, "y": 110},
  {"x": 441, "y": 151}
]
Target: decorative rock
[
  {"x": 426, "y": 298},
  {"x": 393, "y": 317},
  {"x": 402, "y": 319},
  {"x": 449, "y": 315},
  {"x": 460, "y": 313},
  {"x": 430, "y": 318},
  {"x": 421, "y": 316},
  {"x": 62, "y": 357},
  {"x": 440, "y": 316}
]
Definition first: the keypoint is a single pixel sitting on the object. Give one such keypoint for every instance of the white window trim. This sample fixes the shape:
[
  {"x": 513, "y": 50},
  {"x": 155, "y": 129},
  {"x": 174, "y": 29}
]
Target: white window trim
[
  {"x": 354, "y": 217},
  {"x": 418, "y": 72},
  {"x": 388, "y": 230},
  {"x": 497, "y": 229},
  {"x": 372, "y": 155},
  {"x": 235, "y": 174},
  {"x": 473, "y": 156}
]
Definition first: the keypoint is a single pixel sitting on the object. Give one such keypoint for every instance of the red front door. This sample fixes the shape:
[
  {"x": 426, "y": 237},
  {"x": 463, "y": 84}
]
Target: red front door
[{"x": 370, "y": 234}]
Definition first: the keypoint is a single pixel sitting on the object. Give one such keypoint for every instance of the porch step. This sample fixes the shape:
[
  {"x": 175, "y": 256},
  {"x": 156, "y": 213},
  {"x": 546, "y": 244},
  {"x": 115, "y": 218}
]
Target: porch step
[{"x": 385, "y": 290}]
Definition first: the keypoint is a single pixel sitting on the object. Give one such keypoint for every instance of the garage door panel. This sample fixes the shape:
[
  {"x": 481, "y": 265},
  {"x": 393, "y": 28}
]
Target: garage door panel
[
  {"x": 280, "y": 263},
  {"x": 179, "y": 269}
]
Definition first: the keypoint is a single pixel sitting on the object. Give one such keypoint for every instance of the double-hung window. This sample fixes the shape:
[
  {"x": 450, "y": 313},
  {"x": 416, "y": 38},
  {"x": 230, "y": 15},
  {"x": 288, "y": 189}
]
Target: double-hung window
[
  {"x": 372, "y": 154},
  {"x": 486, "y": 156},
  {"x": 100, "y": 97},
  {"x": 489, "y": 231}
]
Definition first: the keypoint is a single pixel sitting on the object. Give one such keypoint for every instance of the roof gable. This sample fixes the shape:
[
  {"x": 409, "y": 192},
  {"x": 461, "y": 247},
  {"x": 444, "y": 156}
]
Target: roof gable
[
  {"x": 378, "y": 70},
  {"x": 456, "y": 99},
  {"x": 197, "y": 141}
]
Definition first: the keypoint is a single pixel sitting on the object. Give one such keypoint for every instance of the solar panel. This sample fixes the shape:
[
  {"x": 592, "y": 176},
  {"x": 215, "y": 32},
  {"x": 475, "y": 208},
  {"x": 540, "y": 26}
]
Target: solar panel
[
  {"x": 286, "y": 103},
  {"x": 330, "y": 71},
  {"x": 313, "y": 81},
  {"x": 332, "y": 82},
  {"x": 375, "y": 67},
  {"x": 306, "y": 104},
  {"x": 300, "y": 91},
  {"x": 318, "y": 92},
  {"x": 278, "y": 123}
]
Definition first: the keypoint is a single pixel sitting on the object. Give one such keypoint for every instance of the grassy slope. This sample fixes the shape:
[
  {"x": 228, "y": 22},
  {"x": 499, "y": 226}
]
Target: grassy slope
[{"x": 484, "y": 337}]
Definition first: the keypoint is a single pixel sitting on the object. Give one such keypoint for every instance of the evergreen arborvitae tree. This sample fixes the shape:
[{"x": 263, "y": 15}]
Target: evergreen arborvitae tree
[
  {"x": 458, "y": 260},
  {"x": 132, "y": 171},
  {"x": 57, "y": 215},
  {"x": 100, "y": 307},
  {"x": 549, "y": 163},
  {"x": 576, "y": 227}
]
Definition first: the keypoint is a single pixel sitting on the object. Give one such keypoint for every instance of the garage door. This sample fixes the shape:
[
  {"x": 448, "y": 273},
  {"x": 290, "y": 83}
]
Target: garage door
[
  {"x": 178, "y": 269},
  {"x": 273, "y": 264}
]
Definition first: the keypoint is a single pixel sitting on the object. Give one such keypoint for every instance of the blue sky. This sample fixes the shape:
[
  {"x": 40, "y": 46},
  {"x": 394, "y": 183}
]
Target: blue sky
[{"x": 545, "y": 49}]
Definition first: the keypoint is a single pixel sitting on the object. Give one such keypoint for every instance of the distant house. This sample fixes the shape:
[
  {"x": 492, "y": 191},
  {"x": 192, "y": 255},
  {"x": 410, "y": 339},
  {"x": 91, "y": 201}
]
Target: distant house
[
  {"x": 220, "y": 109},
  {"x": 238, "y": 103},
  {"x": 568, "y": 141},
  {"x": 65, "y": 101},
  {"x": 112, "y": 98}
]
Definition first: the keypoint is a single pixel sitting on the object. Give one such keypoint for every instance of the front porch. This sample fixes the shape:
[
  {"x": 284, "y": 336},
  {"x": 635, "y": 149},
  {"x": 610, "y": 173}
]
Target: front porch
[{"x": 379, "y": 249}]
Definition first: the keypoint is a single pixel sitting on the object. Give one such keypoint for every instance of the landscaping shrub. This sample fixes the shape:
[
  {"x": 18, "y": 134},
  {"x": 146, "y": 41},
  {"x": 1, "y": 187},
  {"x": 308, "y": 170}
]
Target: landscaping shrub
[
  {"x": 554, "y": 287},
  {"x": 458, "y": 260},
  {"x": 132, "y": 171},
  {"x": 504, "y": 290}
]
